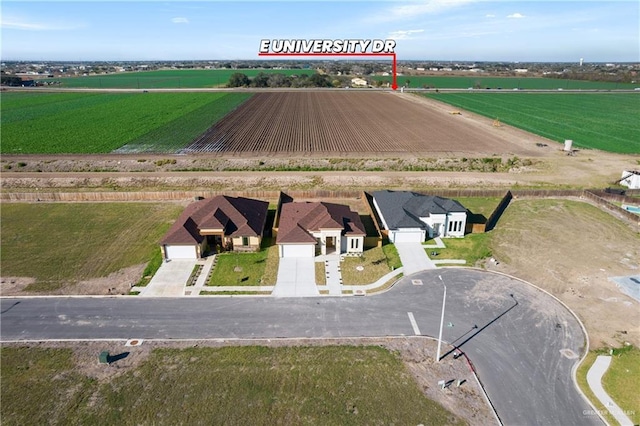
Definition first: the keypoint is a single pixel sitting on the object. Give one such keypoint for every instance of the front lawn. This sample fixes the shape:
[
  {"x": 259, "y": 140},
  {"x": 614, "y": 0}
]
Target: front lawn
[
  {"x": 472, "y": 248},
  {"x": 373, "y": 264},
  {"x": 246, "y": 269}
]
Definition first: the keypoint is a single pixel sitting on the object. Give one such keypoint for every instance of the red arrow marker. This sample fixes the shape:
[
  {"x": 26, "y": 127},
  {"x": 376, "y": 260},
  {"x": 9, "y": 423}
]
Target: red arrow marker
[{"x": 394, "y": 84}]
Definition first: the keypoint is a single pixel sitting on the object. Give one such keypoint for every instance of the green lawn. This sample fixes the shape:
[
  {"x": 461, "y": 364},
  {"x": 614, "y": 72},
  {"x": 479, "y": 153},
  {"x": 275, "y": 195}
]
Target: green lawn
[
  {"x": 605, "y": 121},
  {"x": 246, "y": 269},
  {"x": 472, "y": 247},
  {"x": 60, "y": 244},
  {"x": 621, "y": 381},
  {"x": 332, "y": 385},
  {"x": 51, "y": 123},
  {"x": 375, "y": 262}
]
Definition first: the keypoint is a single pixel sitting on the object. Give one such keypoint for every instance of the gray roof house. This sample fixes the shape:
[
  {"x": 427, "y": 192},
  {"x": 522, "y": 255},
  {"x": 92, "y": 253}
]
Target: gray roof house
[{"x": 412, "y": 217}]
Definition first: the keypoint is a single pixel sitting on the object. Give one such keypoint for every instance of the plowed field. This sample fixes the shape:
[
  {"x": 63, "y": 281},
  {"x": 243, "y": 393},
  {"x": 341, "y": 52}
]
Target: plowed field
[{"x": 350, "y": 122}]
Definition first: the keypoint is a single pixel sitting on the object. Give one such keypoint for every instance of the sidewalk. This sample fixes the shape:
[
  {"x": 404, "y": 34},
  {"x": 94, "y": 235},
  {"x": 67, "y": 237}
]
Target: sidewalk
[
  {"x": 594, "y": 379},
  {"x": 204, "y": 274},
  {"x": 334, "y": 277}
]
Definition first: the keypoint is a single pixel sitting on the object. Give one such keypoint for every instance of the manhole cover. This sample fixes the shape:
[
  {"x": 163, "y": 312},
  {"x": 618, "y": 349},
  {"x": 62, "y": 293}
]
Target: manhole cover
[
  {"x": 133, "y": 342},
  {"x": 359, "y": 268},
  {"x": 416, "y": 282}
]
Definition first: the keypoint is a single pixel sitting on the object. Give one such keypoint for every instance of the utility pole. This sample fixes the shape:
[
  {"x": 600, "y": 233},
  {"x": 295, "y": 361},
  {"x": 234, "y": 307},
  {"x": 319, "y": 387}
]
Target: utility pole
[{"x": 444, "y": 299}]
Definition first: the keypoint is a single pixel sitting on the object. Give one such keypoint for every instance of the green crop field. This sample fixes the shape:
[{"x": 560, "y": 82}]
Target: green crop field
[
  {"x": 51, "y": 123},
  {"x": 506, "y": 83},
  {"x": 166, "y": 79},
  {"x": 605, "y": 121}
]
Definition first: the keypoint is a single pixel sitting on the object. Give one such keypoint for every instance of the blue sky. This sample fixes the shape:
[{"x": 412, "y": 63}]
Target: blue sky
[{"x": 474, "y": 30}]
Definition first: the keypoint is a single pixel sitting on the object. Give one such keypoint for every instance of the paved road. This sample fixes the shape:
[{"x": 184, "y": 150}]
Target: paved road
[{"x": 516, "y": 347}]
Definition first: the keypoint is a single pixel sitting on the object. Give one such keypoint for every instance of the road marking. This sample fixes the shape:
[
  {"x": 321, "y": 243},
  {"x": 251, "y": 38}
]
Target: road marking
[{"x": 414, "y": 324}]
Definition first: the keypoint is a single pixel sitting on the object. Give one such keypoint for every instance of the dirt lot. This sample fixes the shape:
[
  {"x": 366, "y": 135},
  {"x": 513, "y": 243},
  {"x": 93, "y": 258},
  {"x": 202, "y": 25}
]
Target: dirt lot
[
  {"x": 417, "y": 354},
  {"x": 570, "y": 249}
]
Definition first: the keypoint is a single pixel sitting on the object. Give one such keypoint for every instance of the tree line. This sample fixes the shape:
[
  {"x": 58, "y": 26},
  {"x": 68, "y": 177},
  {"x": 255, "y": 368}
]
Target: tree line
[{"x": 282, "y": 80}]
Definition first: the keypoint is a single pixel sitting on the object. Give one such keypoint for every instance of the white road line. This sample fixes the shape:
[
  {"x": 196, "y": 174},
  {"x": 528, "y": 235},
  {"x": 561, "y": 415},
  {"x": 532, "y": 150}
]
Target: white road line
[{"x": 414, "y": 324}]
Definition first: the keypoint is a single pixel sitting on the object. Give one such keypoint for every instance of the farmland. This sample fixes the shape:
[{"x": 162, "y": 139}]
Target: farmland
[
  {"x": 49, "y": 123},
  {"x": 348, "y": 122},
  {"x": 605, "y": 121},
  {"x": 483, "y": 82},
  {"x": 166, "y": 79}
]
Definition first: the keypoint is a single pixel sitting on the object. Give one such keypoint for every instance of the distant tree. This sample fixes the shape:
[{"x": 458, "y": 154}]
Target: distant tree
[
  {"x": 238, "y": 79},
  {"x": 320, "y": 80},
  {"x": 11, "y": 80},
  {"x": 260, "y": 80},
  {"x": 279, "y": 80}
]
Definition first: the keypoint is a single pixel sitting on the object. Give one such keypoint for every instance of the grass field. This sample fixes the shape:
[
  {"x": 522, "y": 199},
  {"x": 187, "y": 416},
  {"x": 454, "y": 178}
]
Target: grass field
[
  {"x": 605, "y": 121},
  {"x": 333, "y": 385},
  {"x": 167, "y": 79},
  {"x": 51, "y": 123},
  {"x": 60, "y": 244},
  {"x": 620, "y": 381},
  {"x": 507, "y": 83}
]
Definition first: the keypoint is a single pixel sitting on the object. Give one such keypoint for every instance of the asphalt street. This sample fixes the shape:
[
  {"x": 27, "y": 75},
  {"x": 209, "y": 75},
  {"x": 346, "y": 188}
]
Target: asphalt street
[{"x": 522, "y": 342}]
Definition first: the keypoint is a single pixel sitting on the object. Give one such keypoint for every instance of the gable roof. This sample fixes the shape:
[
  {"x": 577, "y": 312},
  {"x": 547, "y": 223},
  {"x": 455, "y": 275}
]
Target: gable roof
[
  {"x": 236, "y": 216},
  {"x": 299, "y": 219},
  {"x": 403, "y": 209}
]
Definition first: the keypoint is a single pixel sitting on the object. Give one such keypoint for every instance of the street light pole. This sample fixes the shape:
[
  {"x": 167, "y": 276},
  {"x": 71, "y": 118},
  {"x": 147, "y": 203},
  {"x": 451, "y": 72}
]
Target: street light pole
[{"x": 444, "y": 299}]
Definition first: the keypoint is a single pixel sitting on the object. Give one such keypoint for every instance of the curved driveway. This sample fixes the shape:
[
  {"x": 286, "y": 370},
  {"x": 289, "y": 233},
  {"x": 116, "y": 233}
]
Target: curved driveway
[{"x": 524, "y": 346}]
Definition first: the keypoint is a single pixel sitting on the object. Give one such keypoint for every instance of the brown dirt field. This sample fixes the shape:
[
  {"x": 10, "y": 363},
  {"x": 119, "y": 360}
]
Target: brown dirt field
[
  {"x": 571, "y": 249},
  {"x": 417, "y": 354},
  {"x": 346, "y": 122}
]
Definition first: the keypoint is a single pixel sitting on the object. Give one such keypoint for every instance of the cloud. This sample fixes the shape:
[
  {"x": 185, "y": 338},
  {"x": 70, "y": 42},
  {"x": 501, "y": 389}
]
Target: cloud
[
  {"x": 403, "y": 35},
  {"x": 515, "y": 16},
  {"x": 180, "y": 20},
  {"x": 12, "y": 23},
  {"x": 490, "y": 15}
]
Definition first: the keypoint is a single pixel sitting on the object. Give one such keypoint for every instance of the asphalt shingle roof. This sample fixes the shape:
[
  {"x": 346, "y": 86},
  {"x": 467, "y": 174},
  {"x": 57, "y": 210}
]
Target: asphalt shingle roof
[
  {"x": 403, "y": 209},
  {"x": 238, "y": 217},
  {"x": 299, "y": 219}
]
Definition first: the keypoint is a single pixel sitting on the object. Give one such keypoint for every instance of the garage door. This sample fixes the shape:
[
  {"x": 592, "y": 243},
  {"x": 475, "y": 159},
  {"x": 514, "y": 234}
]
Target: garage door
[
  {"x": 298, "y": 250},
  {"x": 408, "y": 237},
  {"x": 181, "y": 252}
]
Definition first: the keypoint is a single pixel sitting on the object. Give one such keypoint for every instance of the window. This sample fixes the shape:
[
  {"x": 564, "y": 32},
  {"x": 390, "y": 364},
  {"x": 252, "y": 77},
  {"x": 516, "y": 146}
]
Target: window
[
  {"x": 355, "y": 243},
  {"x": 245, "y": 241}
]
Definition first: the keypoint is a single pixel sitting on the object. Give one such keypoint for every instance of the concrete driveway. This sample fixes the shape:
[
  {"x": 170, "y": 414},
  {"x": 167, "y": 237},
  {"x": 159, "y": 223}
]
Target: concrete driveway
[
  {"x": 414, "y": 258},
  {"x": 296, "y": 278},
  {"x": 170, "y": 280}
]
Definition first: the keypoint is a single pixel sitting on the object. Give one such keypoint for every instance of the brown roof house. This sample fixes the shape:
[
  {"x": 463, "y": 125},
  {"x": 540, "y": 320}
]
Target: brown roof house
[
  {"x": 218, "y": 223},
  {"x": 308, "y": 229}
]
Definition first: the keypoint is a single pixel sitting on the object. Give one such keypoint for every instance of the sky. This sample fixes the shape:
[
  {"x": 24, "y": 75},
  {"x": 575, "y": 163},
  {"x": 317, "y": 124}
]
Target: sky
[{"x": 449, "y": 30}]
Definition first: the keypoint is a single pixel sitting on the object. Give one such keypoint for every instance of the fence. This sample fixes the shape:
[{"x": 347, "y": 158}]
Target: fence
[{"x": 599, "y": 198}]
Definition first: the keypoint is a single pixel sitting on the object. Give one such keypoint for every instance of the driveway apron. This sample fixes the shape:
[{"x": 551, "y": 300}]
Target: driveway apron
[
  {"x": 414, "y": 258},
  {"x": 296, "y": 278}
]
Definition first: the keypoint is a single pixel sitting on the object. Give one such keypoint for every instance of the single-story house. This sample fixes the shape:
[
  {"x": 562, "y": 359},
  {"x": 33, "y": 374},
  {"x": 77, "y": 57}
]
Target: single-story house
[
  {"x": 219, "y": 223},
  {"x": 630, "y": 179},
  {"x": 412, "y": 217},
  {"x": 357, "y": 81},
  {"x": 307, "y": 229}
]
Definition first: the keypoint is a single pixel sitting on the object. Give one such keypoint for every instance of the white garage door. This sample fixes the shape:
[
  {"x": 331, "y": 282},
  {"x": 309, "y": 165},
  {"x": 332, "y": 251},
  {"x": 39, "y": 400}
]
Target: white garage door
[
  {"x": 298, "y": 250},
  {"x": 181, "y": 252},
  {"x": 408, "y": 237}
]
